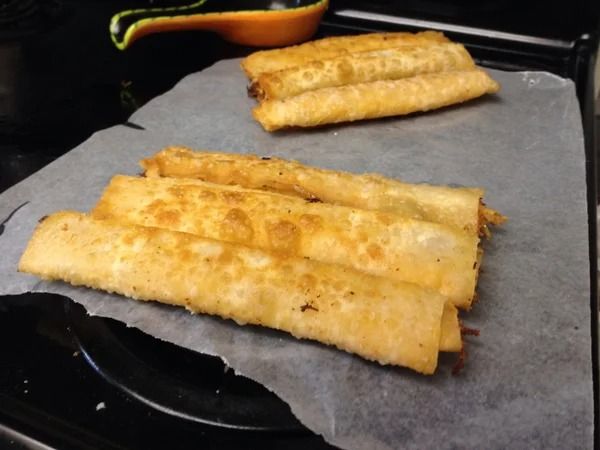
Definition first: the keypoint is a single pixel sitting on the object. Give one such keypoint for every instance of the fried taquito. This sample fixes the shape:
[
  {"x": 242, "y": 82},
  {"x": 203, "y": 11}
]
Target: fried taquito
[{"x": 374, "y": 317}]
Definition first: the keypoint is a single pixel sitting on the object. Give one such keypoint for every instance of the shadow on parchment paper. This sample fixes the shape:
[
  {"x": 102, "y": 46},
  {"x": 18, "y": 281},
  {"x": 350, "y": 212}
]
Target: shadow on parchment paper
[{"x": 446, "y": 362}]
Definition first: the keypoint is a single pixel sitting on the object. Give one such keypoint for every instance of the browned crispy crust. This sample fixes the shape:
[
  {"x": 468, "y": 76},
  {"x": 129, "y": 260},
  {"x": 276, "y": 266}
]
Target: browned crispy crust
[
  {"x": 389, "y": 322},
  {"x": 433, "y": 255},
  {"x": 459, "y": 207},
  {"x": 362, "y": 67},
  {"x": 374, "y": 99},
  {"x": 272, "y": 60}
]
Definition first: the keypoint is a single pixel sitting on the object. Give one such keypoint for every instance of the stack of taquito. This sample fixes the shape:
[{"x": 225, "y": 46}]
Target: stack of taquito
[
  {"x": 348, "y": 78},
  {"x": 368, "y": 264}
]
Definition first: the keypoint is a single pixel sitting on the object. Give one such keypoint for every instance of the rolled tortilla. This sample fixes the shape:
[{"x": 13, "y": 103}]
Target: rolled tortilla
[
  {"x": 389, "y": 322},
  {"x": 385, "y": 244},
  {"x": 374, "y": 100},
  {"x": 363, "y": 67},
  {"x": 278, "y": 59},
  {"x": 458, "y": 207},
  {"x": 451, "y": 334}
]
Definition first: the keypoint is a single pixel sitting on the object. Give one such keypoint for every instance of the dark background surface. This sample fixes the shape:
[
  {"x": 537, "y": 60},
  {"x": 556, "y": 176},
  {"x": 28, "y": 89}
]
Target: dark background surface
[
  {"x": 61, "y": 79},
  {"x": 550, "y": 18}
]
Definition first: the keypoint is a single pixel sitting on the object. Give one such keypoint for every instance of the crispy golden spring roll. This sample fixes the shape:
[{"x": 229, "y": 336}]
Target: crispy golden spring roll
[
  {"x": 458, "y": 207},
  {"x": 272, "y": 60},
  {"x": 389, "y": 322},
  {"x": 374, "y": 100},
  {"x": 435, "y": 256},
  {"x": 140, "y": 201},
  {"x": 208, "y": 210},
  {"x": 363, "y": 67}
]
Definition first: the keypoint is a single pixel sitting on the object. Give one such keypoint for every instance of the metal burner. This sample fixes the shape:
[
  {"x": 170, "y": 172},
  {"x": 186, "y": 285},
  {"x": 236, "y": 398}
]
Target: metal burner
[{"x": 177, "y": 381}]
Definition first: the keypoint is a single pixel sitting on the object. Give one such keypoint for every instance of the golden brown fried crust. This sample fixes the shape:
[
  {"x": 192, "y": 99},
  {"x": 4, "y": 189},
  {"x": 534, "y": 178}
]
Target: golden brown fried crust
[
  {"x": 458, "y": 207},
  {"x": 389, "y": 322},
  {"x": 362, "y": 67},
  {"x": 451, "y": 336},
  {"x": 374, "y": 99},
  {"x": 278, "y": 59},
  {"x": 385, "y": 244}
]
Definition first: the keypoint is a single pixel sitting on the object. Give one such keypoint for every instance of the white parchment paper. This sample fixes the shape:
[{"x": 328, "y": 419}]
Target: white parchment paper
[{"x": 528, "y": 378}]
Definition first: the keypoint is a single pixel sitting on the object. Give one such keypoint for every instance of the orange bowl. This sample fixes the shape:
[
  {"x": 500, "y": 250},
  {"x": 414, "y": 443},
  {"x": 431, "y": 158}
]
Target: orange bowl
[{"x": 267, "y": 24}]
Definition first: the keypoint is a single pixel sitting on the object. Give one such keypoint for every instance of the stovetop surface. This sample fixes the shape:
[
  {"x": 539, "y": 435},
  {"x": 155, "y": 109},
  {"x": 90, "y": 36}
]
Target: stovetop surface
[
  {"x": 72, "y": 381},
  {"x": 66, "y": 379},
  {"x": 549, "y": 19}
]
